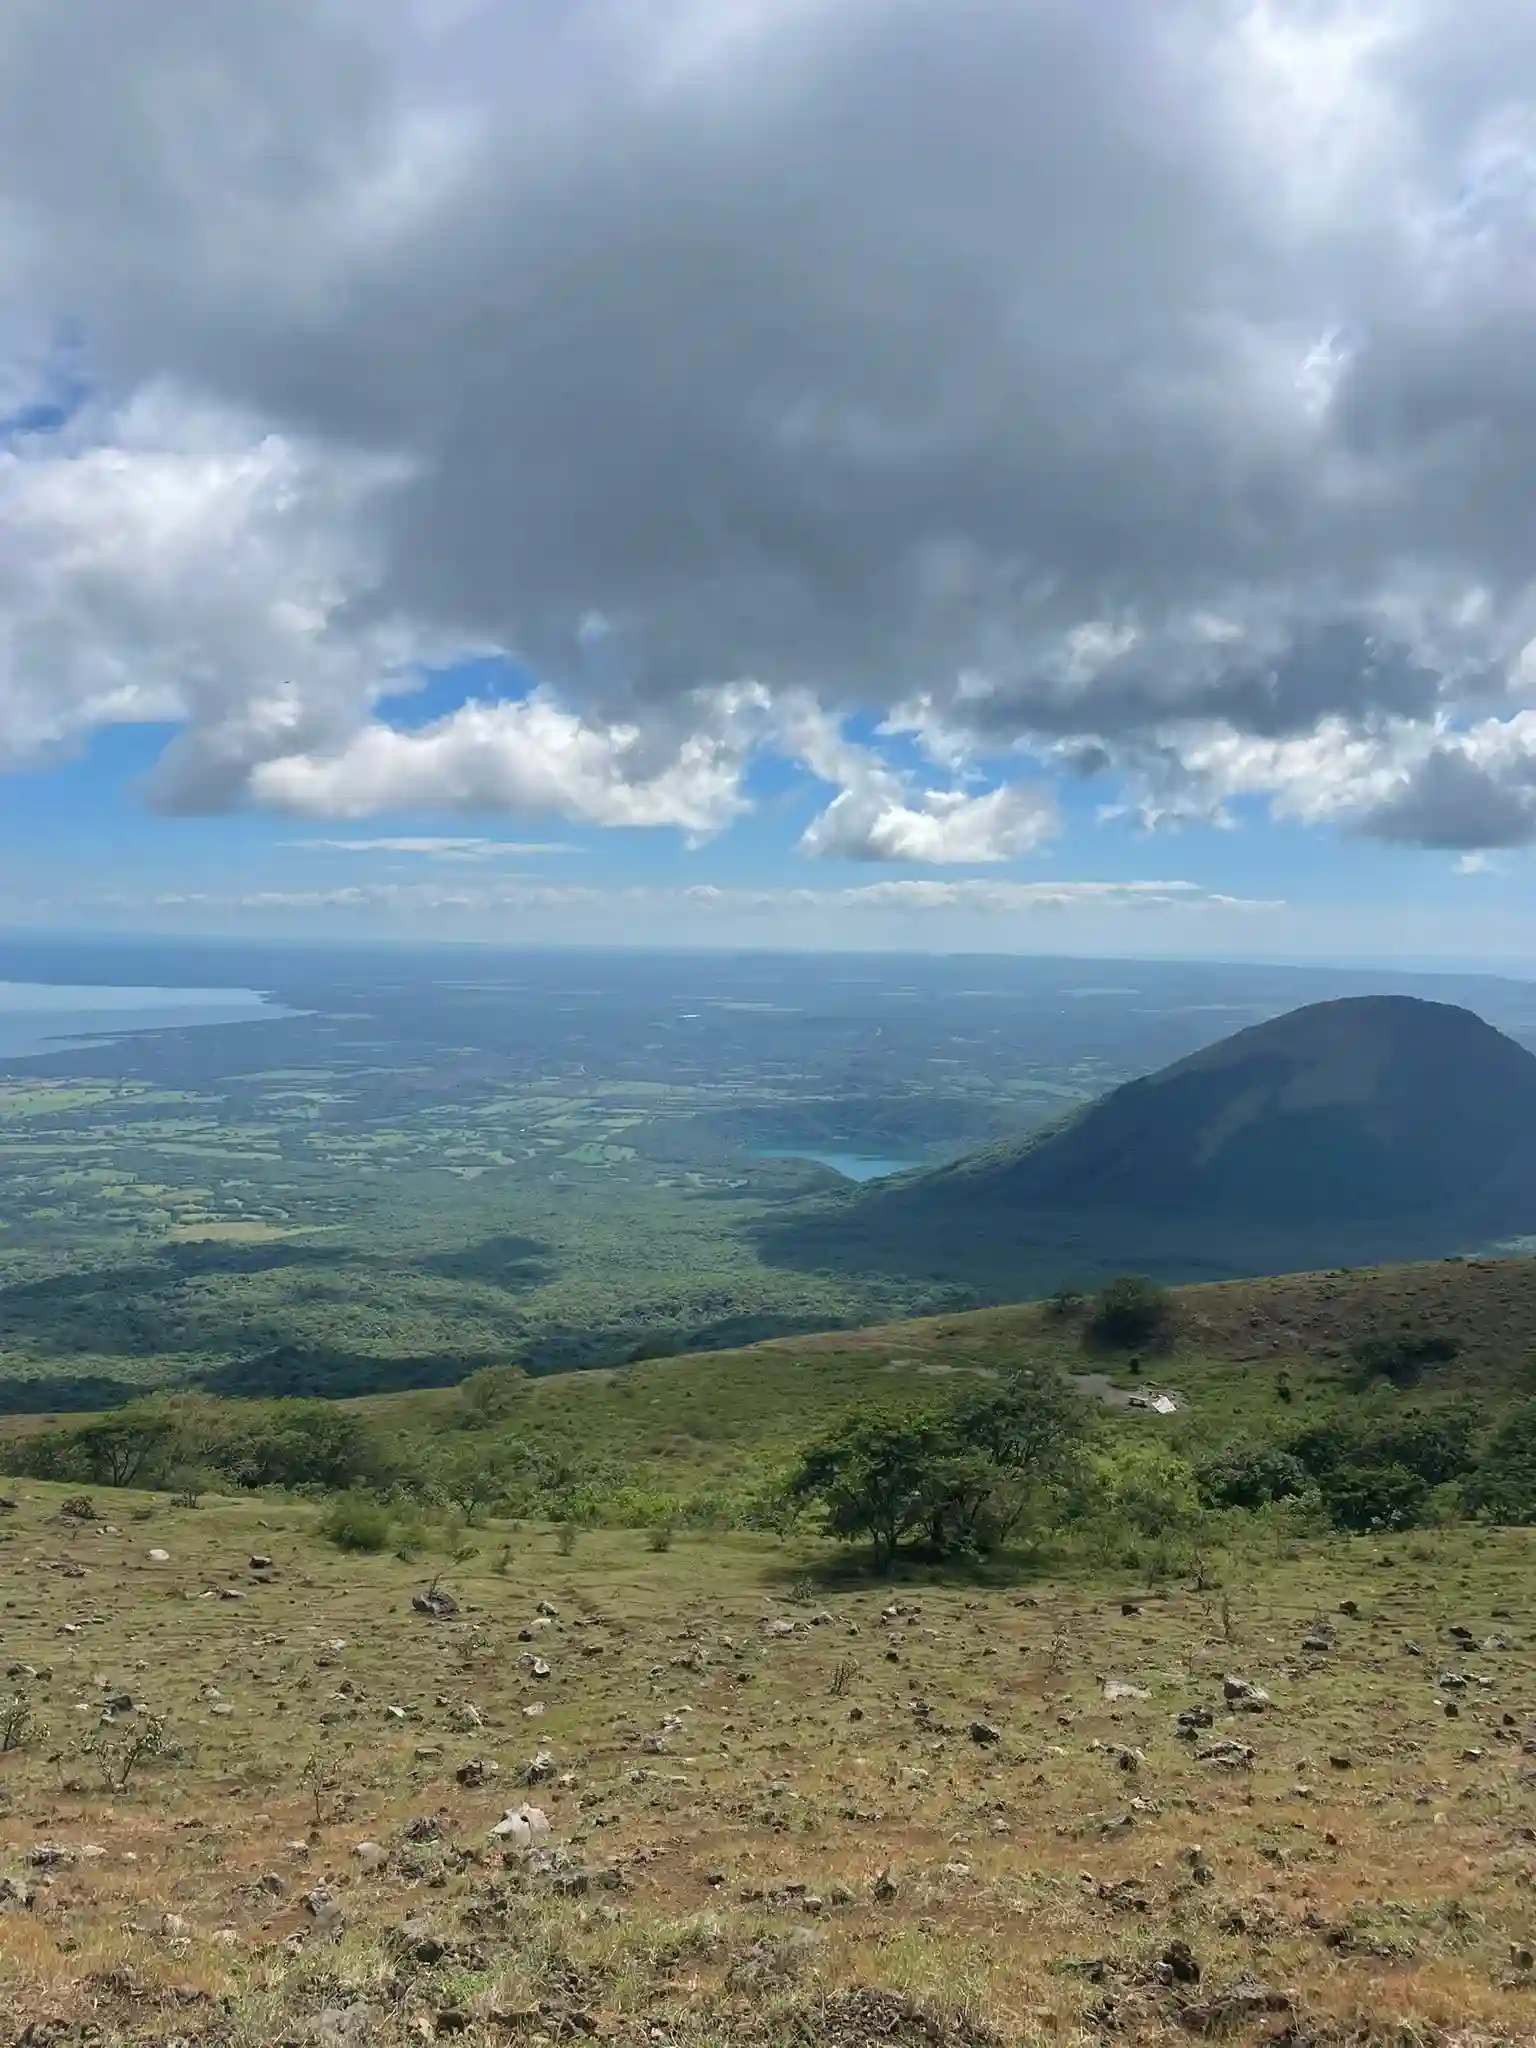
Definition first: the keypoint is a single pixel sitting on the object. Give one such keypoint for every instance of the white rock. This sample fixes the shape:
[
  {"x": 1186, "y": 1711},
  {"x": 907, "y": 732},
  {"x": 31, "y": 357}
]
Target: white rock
[
  {"x": 522, "y": 1826},
  {"x": 159, "y": 1557}
]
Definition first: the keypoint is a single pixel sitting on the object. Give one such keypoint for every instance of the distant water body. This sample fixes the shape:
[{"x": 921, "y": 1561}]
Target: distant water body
[
  {"x": 39, "y": 1017},
  {"x": 851, "y": 1165}
]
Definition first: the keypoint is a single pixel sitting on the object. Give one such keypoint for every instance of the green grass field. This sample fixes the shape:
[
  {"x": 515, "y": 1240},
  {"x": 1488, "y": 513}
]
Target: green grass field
[{"x": 771, "y": 1820}]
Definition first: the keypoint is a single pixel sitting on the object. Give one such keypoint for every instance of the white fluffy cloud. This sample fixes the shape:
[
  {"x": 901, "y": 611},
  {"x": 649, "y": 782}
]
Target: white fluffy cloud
[
  {"x": 1141, "y": 390},
  {"x": 942, "y": 828},
  {"x": 530, "y": 757},
  {"x": 165, "y": 564}
]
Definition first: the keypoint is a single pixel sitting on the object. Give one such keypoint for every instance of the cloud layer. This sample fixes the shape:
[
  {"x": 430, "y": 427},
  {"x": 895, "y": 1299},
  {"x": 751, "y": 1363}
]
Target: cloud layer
[{"x": 1137, "y": 393}]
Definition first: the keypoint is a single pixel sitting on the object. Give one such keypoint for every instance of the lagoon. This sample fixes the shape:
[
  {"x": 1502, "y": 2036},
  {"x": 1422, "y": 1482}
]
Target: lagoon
[
  {"x": 42, "y": 1017},
  {"x": 851, "y": 1165}
]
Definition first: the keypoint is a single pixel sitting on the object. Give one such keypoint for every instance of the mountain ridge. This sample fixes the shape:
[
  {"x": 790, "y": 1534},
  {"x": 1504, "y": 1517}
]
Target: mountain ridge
[{"x": 1350, "y": 1131}]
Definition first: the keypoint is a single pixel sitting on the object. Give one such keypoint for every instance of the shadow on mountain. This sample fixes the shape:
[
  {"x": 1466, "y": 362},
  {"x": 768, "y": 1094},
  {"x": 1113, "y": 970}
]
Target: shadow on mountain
[
  {"x": 317, "y": 1369},
  {"x": 56, "y": 1395},
  {"x": 511, "y": 1262}
]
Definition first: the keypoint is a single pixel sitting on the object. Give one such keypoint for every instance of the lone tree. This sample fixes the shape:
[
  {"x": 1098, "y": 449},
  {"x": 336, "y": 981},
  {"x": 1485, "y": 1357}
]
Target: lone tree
[
  {"x": 1131, "y": 1313},
  {"x": 875, "y": 1477},
  {"x": 955, "y": 1481}
]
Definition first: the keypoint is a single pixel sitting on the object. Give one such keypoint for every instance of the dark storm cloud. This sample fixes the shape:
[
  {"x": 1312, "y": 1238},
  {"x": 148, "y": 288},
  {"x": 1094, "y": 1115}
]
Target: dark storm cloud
[
  {"x": 1454, "y": 803},
  {"x": 1084, "y": 369}
]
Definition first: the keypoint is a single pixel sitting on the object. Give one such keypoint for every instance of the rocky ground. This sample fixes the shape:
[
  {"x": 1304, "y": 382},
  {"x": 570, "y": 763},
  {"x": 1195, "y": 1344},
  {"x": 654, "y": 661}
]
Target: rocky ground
[{"x": 253, "y": 1790}]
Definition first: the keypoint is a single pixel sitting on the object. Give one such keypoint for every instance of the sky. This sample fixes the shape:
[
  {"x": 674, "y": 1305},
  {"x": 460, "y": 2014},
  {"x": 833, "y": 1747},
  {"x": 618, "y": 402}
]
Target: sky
[{"x": 1045, "y": 475}]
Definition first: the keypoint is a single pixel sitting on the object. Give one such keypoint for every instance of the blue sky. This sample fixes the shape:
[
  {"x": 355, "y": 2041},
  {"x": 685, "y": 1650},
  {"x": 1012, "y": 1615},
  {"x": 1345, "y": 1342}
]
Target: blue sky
[
  {"x": 913, "y": 475},
  {"x": 118, "y": 864}
]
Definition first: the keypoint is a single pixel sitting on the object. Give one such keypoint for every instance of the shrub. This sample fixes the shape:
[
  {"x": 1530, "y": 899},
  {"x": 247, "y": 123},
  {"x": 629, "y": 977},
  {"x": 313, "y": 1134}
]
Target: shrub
[
  {"x": 1503, "y": 1488},
  {"x": 956, "y": 1482},
  {"x": 493, "y": 1393},
  {"x": 1250, "y": 1476},
  {"x": 1362, "y": 1497},
  {"x": 1403, "y": 1357},
  {"x": 355, "y": 1522},
  {"x": 1130, "y": 1314},
  {"x": 874, "y": 1477},
  {"x": 1434, "y": 1444},
  {"x": 1150, "y": 1490}
]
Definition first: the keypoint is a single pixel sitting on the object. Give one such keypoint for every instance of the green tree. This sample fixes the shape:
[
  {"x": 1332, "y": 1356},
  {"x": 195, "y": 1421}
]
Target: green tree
[
  {"x": 492, "y": 1394},
  {"x": 1364, "y": 1497},
  {"x": 1403, "y": 1357},
  {"x": 1151, "y": 1490},
  {"x": 303, "y": 1443},
  {"x": 876, "y": 1476},
  {"x": 1250, "y": 1476},
  {"x": 1131, "y": 1313},
  {"x": 1012, "y": 1444},
  {"x": 476, "y": 1476},
  {"x": 138, "y": 1444},
  {"x": 1503, "y": 1487}
]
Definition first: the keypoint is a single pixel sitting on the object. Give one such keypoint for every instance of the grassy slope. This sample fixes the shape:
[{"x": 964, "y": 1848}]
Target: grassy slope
[
  {"x": 1370, "y": 1867},
  {"x": 724, "y": 1418}
]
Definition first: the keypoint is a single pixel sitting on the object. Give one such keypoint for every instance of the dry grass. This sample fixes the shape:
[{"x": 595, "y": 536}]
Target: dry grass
[{"x": 723, "y": 1804}]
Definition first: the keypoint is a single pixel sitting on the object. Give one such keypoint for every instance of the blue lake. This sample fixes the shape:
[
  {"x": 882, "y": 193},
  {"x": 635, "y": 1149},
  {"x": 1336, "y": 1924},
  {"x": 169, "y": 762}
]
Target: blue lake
[
  {"x": 38, "y": 1017},
  {"x": 851, "y": 1165}
]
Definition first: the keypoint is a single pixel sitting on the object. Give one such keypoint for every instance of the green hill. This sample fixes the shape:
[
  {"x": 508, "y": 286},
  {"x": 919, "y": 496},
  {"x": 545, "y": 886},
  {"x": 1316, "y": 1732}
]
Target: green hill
[
  {"x": 1374, "y": 1128},
  {"x": 726, "y": 1419}
]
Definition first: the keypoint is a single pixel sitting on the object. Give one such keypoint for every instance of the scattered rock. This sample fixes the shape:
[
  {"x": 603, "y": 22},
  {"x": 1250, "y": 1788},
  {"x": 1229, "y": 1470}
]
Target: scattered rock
[
  {"x": 1122, "y": 1689},
  {"x": 1178, "y": 1964},
  {"x": 159, "y": 1557},
  {"x": 345, "y": 2026},
  {"x": 476, "y": 1771},
  {"x": 985, "y": 1734},
  {"x": 432, "y": 1600},
  {"x": 1232, "y": 1756},
  {"x": 322, "y": 1907},
  {"x": 1243, "y": 1696}
]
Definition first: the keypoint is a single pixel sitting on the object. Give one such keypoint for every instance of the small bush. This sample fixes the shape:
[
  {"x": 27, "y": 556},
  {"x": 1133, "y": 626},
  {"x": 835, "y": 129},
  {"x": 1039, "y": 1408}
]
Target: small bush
[
  {"x": 659, "y": 1536},
  {"x": 1401, "y": 1359},
  {"x": 354, "y": 1522},
  {"x": 1130, "y": 1314},
  {"x": 1503, "y": 1488},
  {"x": 1251, "y": 1476},
  {"x": 1364, "y": 1497}
]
